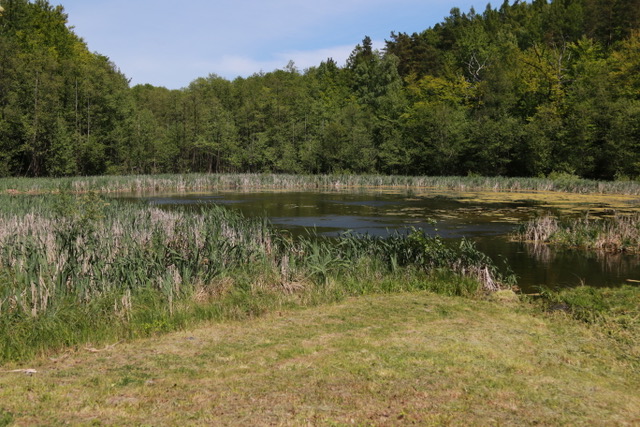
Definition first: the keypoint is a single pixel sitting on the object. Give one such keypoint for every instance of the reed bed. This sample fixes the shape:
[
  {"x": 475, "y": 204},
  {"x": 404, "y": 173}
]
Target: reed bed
[
  {"x": 620, "y": 233},
  {"x": 252, "y": 182},
  {"x": 74, "y": 266}
]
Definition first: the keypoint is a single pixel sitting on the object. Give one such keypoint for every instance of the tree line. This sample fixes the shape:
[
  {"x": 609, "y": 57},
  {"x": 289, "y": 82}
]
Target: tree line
[{"x": 525, "y": 89}]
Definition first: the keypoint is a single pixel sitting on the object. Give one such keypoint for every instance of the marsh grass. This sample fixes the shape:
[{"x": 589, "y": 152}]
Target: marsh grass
[
  {"x": 615, "y": 312},
  {"x": 81, "y": 267},
  {"x": 252, "y": 182},
  {"x": 620, "y": 233}
]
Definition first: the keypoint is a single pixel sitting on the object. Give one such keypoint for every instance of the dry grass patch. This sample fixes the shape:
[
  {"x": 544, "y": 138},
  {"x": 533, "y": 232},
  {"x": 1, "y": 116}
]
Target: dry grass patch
[{"x": 379, "y": 360}]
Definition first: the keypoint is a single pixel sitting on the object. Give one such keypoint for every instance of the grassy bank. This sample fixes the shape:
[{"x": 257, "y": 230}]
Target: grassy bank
[
  {"x": 620, "y": 233},
  {"x": 615, "y": 310},
  {"x": 79, "y": 268},
  {"x": 415, "y": 358},
  {"x": 252, "y": 182}
]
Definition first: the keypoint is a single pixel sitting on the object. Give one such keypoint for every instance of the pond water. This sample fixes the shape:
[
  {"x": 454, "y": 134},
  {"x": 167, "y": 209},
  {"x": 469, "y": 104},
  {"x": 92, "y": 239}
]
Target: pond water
[{"x": 486, "y": 221}]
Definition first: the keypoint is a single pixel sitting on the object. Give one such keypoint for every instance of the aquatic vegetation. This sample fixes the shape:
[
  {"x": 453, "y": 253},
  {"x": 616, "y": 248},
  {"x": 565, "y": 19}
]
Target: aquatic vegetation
[
  {"x": 538, "y": 230},
  {"x": 336, "y": 182},
  {"x": 73, "y": 264},
  {"x": 620, "y": 233},
  {"x": 430, "y": 252}
]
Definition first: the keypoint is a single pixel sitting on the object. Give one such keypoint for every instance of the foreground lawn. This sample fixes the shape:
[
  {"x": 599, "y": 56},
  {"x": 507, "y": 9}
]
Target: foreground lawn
[{"x": 375, "y": 360}]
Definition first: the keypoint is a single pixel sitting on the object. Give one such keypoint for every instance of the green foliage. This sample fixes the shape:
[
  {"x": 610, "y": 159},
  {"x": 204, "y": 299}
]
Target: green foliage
[
  {"x": 63, "y": 107},
  {"x": 563, "y": 178},
  {"x": 588, "y": 302},
  {"x": 6, "y": 418},
  {"x": 526, "y": 89},
  {"x": 615, "y": 310}
]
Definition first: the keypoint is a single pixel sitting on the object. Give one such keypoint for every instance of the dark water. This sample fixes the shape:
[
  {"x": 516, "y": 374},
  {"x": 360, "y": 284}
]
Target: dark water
[{"x": 488, "y": 224}]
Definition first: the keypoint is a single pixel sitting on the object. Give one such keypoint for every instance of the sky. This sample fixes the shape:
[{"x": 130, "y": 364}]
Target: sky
[{"x": 171, "y": 44}]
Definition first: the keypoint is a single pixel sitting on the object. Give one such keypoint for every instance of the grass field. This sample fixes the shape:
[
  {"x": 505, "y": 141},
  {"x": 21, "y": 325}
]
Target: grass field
[{"x": 409, "y": 358}]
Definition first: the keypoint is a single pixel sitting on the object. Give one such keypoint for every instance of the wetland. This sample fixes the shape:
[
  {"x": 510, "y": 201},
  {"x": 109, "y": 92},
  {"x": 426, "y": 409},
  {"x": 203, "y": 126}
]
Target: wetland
[
  {"x": 105, "y": 259},
  {"x": 487, "y": 218}
]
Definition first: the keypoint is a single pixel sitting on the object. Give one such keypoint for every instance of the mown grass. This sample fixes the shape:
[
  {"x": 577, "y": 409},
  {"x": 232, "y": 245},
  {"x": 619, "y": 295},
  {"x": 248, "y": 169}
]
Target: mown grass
[
  {"x": 407, "y": 358},
  {"x": 620, "y": 233},
  {"x": 79, "y": 268},
  {"x": 206, "y": 182}
]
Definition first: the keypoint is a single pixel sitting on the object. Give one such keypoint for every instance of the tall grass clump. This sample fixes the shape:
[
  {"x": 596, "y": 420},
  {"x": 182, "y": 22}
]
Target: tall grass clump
[
  {"x": 560, "y": 182},
  {"x": 620, "y": 233},
  {"x": 615, "y": 311},
  {"x": 430, "y": 253},
  {"x": 80, "y": 267}
]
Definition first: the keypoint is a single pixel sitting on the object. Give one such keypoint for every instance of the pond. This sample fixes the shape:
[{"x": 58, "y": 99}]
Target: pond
[{"x": 486, "y": 218}]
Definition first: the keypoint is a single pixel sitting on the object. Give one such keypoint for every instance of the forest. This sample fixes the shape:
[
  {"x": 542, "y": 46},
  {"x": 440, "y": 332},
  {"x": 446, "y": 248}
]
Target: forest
[{"x": 523, "y": 89}]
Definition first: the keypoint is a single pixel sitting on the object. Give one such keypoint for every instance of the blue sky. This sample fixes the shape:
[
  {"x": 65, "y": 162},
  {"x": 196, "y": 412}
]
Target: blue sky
[{"x": 172, "y": 43}]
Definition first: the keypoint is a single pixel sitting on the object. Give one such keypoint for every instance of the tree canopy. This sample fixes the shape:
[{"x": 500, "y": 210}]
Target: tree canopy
[{"x": 525, "y": 89}]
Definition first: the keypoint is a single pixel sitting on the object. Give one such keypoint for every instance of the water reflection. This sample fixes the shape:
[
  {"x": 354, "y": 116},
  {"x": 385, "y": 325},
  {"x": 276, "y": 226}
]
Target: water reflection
[
  {"x": 542, "y": 266},
  {"x": 600, "y": 268}
]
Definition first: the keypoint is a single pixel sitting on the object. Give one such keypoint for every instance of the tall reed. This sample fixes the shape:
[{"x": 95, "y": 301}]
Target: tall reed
[
  {"x": 206, "y": 182},
  {"x": 620, "y": 233},
  {"x": 71, "y": 262}
]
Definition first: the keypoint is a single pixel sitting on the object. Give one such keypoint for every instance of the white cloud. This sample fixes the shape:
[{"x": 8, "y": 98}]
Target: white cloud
[
  {"x": 231, "y": 66},
  {"x": 304, "y": 59},
  {"x": 158, "y": 69},
  {"x": 310, "y": 58}
]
